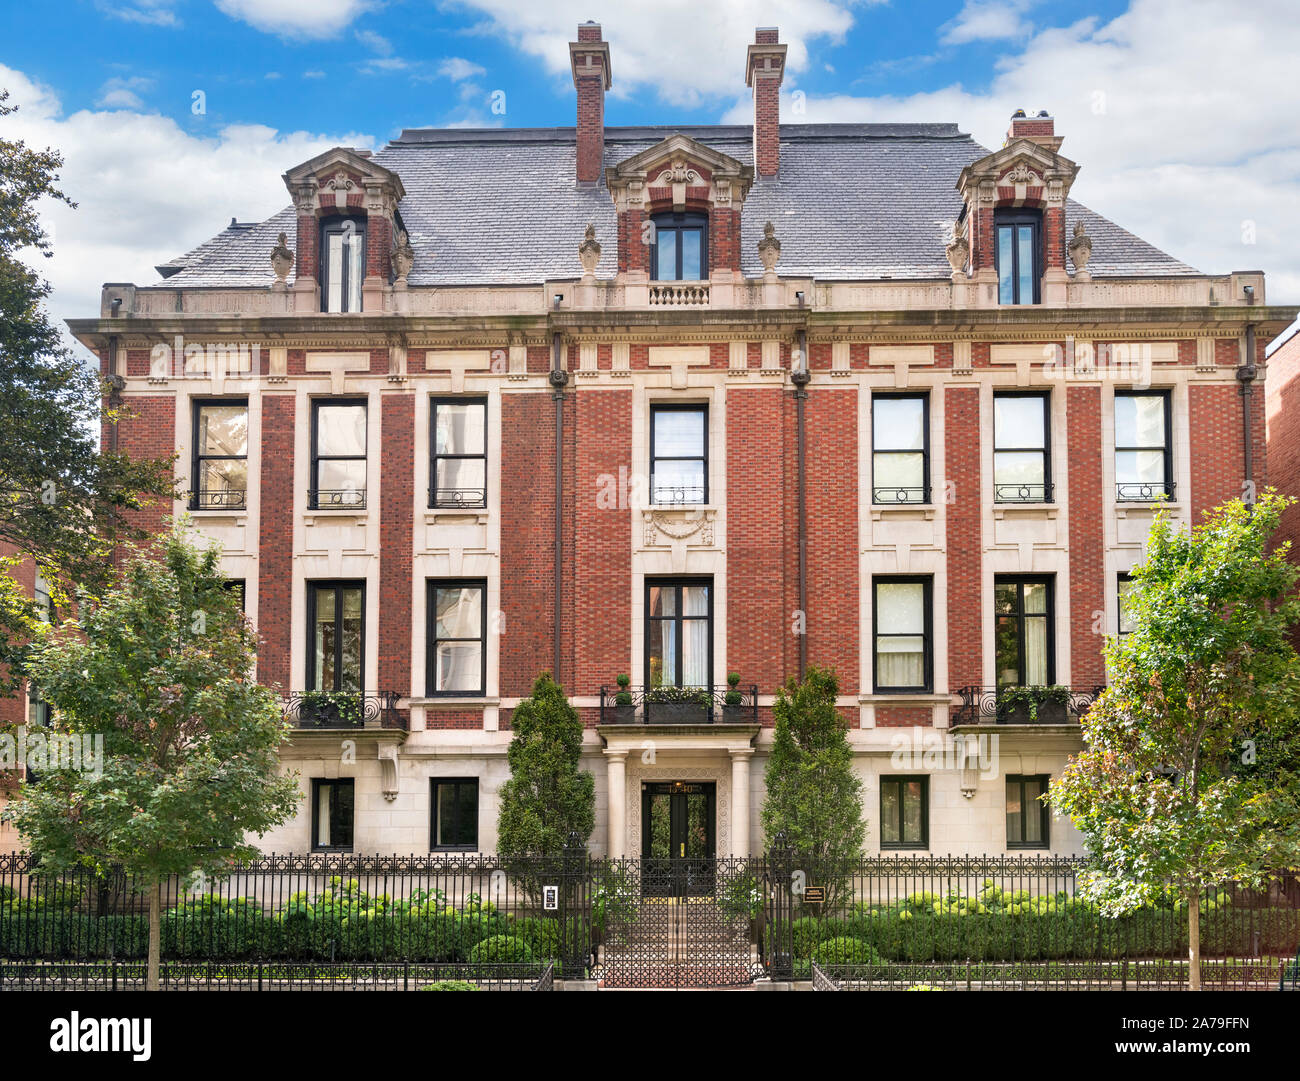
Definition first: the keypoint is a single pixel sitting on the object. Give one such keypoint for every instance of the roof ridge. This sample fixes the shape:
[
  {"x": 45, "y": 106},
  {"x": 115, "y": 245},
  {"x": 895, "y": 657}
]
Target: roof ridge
[{"x": 640, "y": 132}]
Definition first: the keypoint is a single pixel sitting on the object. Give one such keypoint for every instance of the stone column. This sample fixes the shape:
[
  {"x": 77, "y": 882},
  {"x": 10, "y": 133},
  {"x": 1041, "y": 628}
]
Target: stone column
[
  {"x": 616, "y": 784},
  {"x": 740, "y": 802}
]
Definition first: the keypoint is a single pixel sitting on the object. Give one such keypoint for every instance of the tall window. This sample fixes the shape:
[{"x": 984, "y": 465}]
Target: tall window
[
  {"x": 455, "y": 814},
  {"x": 1021, "y": 454},
  {"x": 679, "y": 454},
  {"x": 1024, "y": 631},
  {"x": 333, "y": 804},
  {"x": 343, "y": 264},
  {"x": 338, "y": 456},
  {"x": 457, "y": 662},
  {"x": 459, "y": 469},
  {"x": 1143, "y": 462},
  {"x": 336, "y": 643},
  {"x": 679, "y": 633},
  {"x": 1123, "y": 588},
  {"x": 901, "y": 620},
  {"x": 904, "y": 812},
  {"x": 1027, "y": 815},
  {"x": 680, "y": 251},
  {"x": 1018, "y": 252},
  {"x": 900, "y": 444},
  {"x": 220, "y": 473},
  {"x": 38, "y": 711}
]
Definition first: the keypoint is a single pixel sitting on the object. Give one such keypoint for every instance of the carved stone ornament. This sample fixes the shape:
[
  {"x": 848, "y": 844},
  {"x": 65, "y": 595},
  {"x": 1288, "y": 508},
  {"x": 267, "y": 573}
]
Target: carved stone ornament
[
  {"x": 339, "y": 182},
  {"x": 679, "y": 173},
  {"x": 589, "y": 251},
  {"x": 1022, "y": 174},
  {"x": 282, "y": 259},
  {"x": 769, "y": 248},
  {"x": 403, "y": 255},
  {"x": 958, "y": 252},
  {"x": 678, "y": 527},
  {"x": 1080, "y": 248}
]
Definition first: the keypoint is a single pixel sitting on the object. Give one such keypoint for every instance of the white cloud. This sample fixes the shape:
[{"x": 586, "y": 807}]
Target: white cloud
[
  {"x": 987, "y": 20},
  {"x": 296, "y": 18},
  {"x": 686, "y": 51},
  {"x": 145, "y": 12},
  {"x": 122, "y": 93},
  {"x": 1182, "y": 114},
  {"x": 313, "y": 75},
  {"x": 376, "y": 43},
  {"x": 173, "y": 191},
  {"x": 456, "y": 69}
]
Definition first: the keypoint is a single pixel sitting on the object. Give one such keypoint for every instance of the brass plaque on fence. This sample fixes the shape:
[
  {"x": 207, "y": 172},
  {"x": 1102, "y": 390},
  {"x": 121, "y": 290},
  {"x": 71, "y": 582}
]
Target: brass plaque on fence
[{"x": 814, "y": 895}]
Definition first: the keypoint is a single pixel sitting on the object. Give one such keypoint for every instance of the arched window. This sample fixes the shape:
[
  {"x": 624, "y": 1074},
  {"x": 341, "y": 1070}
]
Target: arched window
[{"x": 681, "y": 247}]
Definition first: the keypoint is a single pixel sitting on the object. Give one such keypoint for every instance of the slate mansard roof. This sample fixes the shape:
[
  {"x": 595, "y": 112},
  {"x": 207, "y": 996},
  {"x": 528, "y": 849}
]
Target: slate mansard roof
[{"x": 852, "y": 202}]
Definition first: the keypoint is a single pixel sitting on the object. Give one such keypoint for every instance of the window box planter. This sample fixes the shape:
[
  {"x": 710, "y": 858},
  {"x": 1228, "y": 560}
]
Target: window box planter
[
  {"x": 737, "y": 714},
  {"x": 622, "y": 714},
  {"x": 1033, "y": 705},
  {"x": 676, "y": 713}
]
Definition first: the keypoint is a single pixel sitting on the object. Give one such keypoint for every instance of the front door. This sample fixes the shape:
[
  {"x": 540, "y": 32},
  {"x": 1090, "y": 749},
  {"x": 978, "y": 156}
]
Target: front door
[{"x": 677, "y": 838}]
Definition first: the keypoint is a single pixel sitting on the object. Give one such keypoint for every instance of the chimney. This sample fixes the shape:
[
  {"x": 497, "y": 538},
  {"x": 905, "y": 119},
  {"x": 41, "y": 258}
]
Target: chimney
[
  {"x": 1040, "y": 129},
  {"x": 764, "y": 69},
  {"x": 589, "y": 58}
]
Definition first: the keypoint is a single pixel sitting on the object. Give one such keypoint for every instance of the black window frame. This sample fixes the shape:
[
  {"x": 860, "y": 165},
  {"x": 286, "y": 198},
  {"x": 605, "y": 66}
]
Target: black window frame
[
  {"x": 336, "y": 224},
  {"x": 677, "y": 582},
  {"x": 197, "y": 458},
  {"x": 1145, "y": 493},
  {"x": 338, "y": 584},
  {"x": 435, "y": 457},
  {"x": 1013, "y": 218},
  {"x": 1045, "y": 812},
  {"x": 238, "y": 586},
  {"x": 927, "y": 637},
  {"x": 1021, "y": 580},
  {"x": 1046, "y": 449},
  {"x": 924, "y": 398},
  {"x": 678, "y": 222},
  {"x": 435, "y": 783},
  {"x": 335, "y": 783},
  {"x": 432, "y": 585},
  {"x": 314, "y": 492},
  {"x": 902, "y": 780},
  {"x": 1120, "y": 580},
  {"x": 679, "y": 407}
]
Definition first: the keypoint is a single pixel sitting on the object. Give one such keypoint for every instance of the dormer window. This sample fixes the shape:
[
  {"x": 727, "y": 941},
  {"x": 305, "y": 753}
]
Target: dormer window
[
  {"x": 1018, "y": 251},
  {"x": 681, "y": 247},
  {"x": 343, "y": 263}
]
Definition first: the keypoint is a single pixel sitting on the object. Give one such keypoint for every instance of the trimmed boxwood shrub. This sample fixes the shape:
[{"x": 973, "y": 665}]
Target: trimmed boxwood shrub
[
  {"x": 845, "y": 951},
  {"x": 501, "y": 949},
  {"x": 449, "y": 985}
]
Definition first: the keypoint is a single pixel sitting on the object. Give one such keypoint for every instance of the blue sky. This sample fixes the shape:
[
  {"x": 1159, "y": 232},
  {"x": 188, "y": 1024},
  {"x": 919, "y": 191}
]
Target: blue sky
[{"x": 1181, "y": 113}]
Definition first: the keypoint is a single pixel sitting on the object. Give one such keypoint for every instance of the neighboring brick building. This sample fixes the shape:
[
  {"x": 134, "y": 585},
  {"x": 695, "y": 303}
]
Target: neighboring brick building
[
  {"x": 915, "y": 431},
  {"x": 1283, "y": 411}
]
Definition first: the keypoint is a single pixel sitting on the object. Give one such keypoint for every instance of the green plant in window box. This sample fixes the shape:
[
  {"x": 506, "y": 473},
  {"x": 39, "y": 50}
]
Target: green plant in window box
[
  {"x": 733, "y": 700},
  {"x": 330, "y": 709},
  {"x": 1033, "y": 705},
  {"x": 678, "y": 705}
]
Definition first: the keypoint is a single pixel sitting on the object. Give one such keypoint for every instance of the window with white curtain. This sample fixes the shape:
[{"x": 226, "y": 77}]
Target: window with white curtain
[
  {"x": 679, "y": 633},
  {"x": 1023, "y": 631},
  {"x": 902, "y": 622},
  {"x": 332, "y": 807},
  {"x": 458, "y": 477},
  {"x": 900, "y": 448},
  {"x": 342, "y": 264},
  {"x": 1143, "y": 456},
  {"x": 457, "y": 662}
]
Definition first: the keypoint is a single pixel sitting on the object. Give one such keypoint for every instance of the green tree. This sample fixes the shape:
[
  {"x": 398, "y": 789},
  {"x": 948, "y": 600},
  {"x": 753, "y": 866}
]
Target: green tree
[
  {"x": 547, "y": 796},
  {"x": 1188, "y": 778},
  {"x": 162, "y": 669},
  {"x": 814, "y": 799},
  {"x": 61, "y": 499}
]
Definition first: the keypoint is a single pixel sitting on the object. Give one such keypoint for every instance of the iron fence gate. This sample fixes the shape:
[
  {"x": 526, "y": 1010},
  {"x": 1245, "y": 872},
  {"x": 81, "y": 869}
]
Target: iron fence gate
[{"x": 677, "y": 922}]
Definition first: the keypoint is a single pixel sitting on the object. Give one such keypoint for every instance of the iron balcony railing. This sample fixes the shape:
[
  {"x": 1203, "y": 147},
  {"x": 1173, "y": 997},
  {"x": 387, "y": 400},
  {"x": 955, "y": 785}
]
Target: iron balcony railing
[
  {"x": 457, "y": 497},
  {"x": 1022, "y": 493},
  {"x": 1135, "y": 492},
  {"x": 219, "y": 499},
  {"x": 891, "y": 494},
  {"x": 1024, "y": 705},
  {"x": 678, "y": 705},
  {"x": 342, "y": 709},
  {"x": 676, "y": 495},
  {"x": 336, "y": 499}
]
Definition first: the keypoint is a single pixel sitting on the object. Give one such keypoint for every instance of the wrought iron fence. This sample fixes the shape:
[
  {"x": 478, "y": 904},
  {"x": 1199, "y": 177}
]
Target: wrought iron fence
[
  {"x": 679, "y": 705},
  {"x": 1024, "y": 705},
  {"x": 341, "y": 709}
]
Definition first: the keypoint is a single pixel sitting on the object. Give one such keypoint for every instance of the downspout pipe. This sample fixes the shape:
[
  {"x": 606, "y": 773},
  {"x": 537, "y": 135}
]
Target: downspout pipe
[
  {"x": 1246, "y": 377},
  {"x": 559, "y": 378},
  {"x": 800, "y": 376}
]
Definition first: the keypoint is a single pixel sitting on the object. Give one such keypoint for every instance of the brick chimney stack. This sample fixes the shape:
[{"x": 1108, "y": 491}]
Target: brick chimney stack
[
  {"x": 1040, "y": 129},
  {"x": 589, "y": 58},
  {"x": 764, "y": 70}
]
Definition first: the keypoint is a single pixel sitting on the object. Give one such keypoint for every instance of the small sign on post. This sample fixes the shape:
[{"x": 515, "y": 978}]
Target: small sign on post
[
  {"x": 814, "y": 895},
  {"x": 550, "y": 898}
]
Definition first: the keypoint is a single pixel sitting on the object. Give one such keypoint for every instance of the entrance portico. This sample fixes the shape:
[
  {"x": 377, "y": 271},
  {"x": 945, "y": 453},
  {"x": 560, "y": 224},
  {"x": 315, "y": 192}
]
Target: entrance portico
[{"x": 640, "y": 756}]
